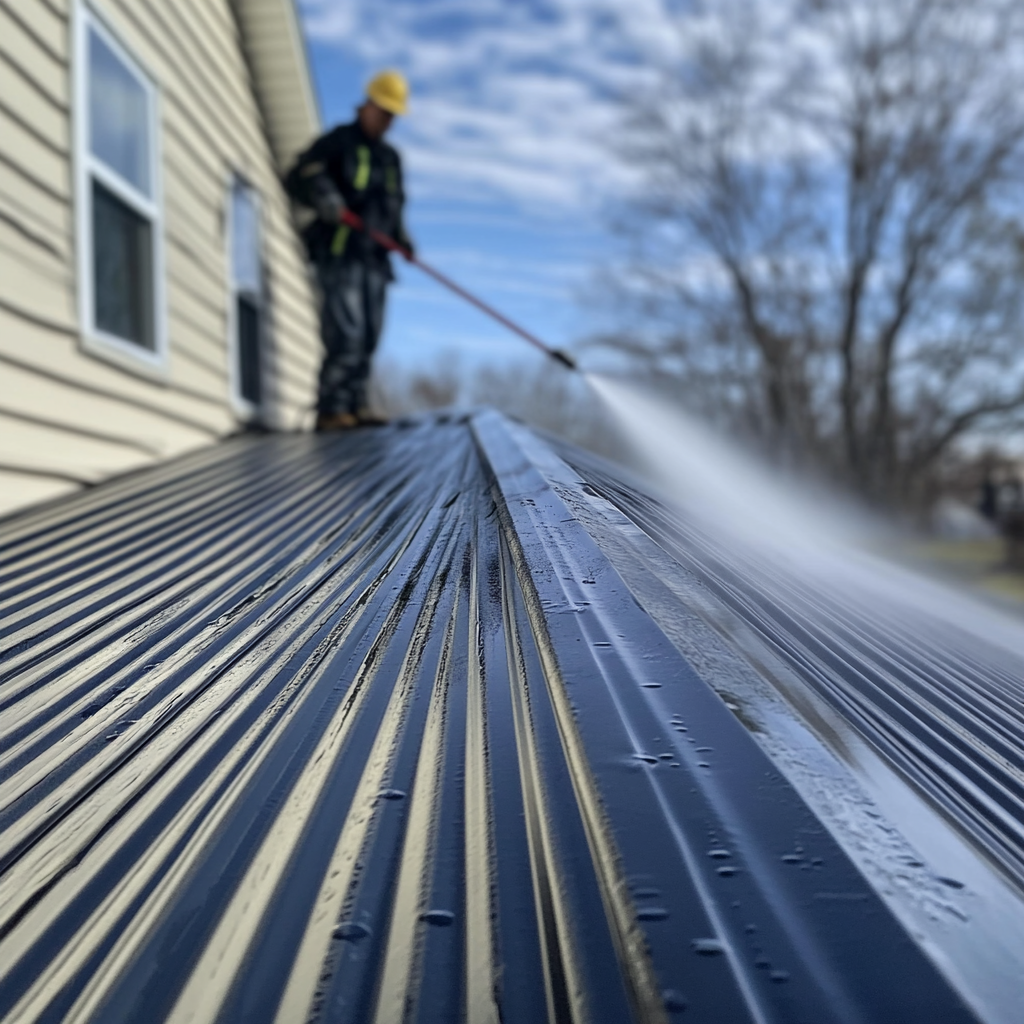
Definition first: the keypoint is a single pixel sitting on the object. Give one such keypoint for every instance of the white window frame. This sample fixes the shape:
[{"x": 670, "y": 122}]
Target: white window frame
[
  {"x": 88, "y": 168},
  {"x": 243, "y": 408}
]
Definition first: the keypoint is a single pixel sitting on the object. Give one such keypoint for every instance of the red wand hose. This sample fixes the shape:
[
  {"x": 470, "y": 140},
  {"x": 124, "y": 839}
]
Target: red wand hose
[{"x": 355, "y": 221}]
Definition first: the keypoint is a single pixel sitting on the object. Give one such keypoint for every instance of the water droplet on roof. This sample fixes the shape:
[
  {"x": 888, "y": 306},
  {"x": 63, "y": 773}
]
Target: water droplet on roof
[
  {"x": 438, "y": 917},
  {"x": 651, "y": 914},
  {"x": 728, "y": 871},
  {"x": 779, "y": 976},
  {"x": 719, "y": 854},
  {"x": 351, "y": 931},
  {"x": 707, "y": 947},
  {"x": 675, "y": 1002},
  {"x": 392, "y": 794}
]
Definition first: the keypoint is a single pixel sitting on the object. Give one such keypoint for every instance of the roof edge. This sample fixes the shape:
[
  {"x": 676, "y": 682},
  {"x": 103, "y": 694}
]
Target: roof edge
[{"x": 275, "y": 47}]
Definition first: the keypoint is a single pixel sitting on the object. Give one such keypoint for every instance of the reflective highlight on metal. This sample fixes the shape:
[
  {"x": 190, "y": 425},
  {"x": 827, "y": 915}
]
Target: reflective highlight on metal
[
  {"x": 942, "y": 707},
  {"x": 368, "y": 728}
]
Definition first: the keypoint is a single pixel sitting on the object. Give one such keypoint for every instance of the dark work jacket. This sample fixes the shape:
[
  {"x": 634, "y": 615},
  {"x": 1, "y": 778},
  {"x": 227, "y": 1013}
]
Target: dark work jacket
[{"x": 367, "y": 174}]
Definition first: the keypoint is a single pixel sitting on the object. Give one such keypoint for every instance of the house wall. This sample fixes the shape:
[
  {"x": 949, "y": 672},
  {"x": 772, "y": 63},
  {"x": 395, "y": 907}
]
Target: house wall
[{"x": 69, "y": 417}]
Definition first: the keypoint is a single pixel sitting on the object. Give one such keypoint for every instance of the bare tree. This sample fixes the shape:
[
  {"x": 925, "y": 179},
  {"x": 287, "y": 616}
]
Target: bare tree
[
  {"x": 398, "y": 390},
  {"x": 826, "y": 249},
  {"x": 539, "y": 394}
]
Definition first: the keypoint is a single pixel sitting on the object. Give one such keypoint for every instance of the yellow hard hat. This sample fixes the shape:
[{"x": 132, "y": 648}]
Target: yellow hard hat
[{"x": 390, "y": 91}]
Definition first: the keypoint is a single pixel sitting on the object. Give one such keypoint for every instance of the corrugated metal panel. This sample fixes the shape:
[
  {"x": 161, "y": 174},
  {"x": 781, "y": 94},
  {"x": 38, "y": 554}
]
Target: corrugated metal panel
[
  {"x": 369, "y": 728},
  {"x": 944, "y": 707}
]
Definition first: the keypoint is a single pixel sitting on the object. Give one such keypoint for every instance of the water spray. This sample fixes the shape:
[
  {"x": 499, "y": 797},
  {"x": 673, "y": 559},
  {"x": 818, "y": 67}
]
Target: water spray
[{"x": 356, "y": 222}]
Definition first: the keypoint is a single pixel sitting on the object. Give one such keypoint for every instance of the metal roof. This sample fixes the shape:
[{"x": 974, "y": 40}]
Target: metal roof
[{"x": 380, "y": 727}]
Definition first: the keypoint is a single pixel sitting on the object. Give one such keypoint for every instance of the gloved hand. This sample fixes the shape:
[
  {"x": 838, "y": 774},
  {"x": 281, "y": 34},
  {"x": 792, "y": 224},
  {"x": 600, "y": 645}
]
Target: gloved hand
[
  {"x": 330, "y": 208},
  {"x": 327, "y": 201}
]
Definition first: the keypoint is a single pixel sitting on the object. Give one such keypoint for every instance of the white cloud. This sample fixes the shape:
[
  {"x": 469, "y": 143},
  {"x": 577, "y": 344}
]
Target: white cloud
[
  {"x": 517, "y": 99},
  {"x": 510, "y": 101}
]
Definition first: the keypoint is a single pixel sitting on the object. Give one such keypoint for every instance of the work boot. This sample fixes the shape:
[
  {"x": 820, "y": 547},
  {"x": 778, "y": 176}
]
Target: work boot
[{"x": 336, "y": 421}]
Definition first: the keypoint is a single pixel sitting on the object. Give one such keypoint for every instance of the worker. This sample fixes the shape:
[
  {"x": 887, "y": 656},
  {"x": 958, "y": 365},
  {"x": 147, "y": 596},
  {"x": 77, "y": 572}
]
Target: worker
[{"x": 352, "y": 168}]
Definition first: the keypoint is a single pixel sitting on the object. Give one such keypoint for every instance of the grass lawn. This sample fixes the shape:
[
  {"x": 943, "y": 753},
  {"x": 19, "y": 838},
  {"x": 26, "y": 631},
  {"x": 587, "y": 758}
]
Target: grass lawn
[{"x": 978, "y": 563}]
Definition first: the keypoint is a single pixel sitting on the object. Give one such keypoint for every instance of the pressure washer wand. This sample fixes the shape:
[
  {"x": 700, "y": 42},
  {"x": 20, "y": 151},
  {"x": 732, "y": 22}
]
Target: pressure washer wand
[{"x": 355, "y": 221}]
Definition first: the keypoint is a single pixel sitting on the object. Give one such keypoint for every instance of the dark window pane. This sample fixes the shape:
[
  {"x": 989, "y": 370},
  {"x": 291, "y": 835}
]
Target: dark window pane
[
  {"x": 248, "y": 326},
  {"x": 122, "y": 269}
]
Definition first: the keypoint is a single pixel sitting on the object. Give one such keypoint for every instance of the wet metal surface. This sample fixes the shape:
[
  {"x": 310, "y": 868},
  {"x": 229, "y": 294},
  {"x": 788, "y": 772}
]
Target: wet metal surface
[
  {"x": 940, "y": 704},
  {"x": 369, "y": 728}
]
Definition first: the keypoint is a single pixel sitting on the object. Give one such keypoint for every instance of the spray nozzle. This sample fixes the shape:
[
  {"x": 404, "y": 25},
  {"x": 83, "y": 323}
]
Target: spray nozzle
[{"x": 562, "y": 357}]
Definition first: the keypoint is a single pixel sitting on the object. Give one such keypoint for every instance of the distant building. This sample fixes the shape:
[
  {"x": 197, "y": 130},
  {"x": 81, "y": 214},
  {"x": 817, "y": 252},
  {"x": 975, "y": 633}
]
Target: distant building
[{"x": 153, "y": 293}]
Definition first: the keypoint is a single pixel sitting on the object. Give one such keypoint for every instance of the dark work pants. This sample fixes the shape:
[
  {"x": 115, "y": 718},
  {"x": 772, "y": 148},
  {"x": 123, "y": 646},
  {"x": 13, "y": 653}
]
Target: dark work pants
[{"x": 350, "y": 323}]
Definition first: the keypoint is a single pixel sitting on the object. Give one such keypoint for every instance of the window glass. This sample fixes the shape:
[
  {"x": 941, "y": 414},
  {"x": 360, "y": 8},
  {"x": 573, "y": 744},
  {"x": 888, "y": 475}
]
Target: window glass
[
  {"x": 246, "y": 280},
  {"x": 249, "y": 375},
  {"x": 245, "y": 242},
  {"x": 122, "y": 269},
  {"x": 118, "y": 116}
]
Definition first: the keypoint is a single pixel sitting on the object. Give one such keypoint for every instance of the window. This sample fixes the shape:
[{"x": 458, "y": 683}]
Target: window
[
  {"x": 246, "y": 320},
  {"x": 119, "y": 212}
]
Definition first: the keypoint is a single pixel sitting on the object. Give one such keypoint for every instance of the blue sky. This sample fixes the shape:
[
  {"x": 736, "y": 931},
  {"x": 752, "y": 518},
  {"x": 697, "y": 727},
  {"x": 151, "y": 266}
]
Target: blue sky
[{"x": 506, "y": 149}]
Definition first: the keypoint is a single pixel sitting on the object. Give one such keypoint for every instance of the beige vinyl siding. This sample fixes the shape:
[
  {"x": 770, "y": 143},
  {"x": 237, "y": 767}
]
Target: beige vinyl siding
[
  {"x": 277, "y": 56},
  {"x": 69, "y": 415},
  {"x": 32, "y": 488}
]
